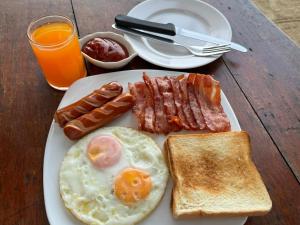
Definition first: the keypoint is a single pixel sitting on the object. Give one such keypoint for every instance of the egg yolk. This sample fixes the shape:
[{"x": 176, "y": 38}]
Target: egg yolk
[
  {"x": 132, "y": 185},
  {"x": 104, "y": 151}
]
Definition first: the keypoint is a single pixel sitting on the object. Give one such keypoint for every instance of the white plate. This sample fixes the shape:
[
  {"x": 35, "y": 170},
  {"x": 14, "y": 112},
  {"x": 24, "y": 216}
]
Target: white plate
[
  {"x": 190, "y": 14},
  {"x": 57, "y": 145}
]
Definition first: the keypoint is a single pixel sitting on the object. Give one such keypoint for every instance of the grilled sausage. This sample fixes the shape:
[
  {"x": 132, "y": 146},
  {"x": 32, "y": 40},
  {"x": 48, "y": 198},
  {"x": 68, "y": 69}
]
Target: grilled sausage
[
  {"x": 94, "y": 100},
  {"x": 86, "y": 123}
]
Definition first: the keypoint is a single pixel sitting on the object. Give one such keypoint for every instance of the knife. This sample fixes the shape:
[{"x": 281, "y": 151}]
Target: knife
[
  {"x": 170, "y": 31},
  {"x": 143, "y": 34}
]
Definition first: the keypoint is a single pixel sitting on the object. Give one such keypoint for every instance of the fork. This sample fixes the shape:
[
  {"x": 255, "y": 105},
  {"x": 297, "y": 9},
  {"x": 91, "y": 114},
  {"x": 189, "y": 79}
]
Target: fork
[
  {"x": 195, "y": 50},
  {"x": 207, "y": 51}
]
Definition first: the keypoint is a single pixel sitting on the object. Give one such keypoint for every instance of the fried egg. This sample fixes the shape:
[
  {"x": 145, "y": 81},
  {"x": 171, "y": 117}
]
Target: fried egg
[{"x": 115, "y": 175}]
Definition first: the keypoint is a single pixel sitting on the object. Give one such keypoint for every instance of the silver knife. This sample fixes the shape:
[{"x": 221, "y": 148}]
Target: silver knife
[
  {"x": 143, "y": 34},
  {"x": 170, "y": 31}
]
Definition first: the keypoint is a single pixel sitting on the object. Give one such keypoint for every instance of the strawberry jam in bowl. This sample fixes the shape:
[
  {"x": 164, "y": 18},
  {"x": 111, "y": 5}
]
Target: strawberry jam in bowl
[{"x": 107, "y": 50}]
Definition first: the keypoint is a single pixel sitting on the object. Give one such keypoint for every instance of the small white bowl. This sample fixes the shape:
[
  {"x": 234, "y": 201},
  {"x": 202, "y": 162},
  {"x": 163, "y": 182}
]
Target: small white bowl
[{"x": 113, "y": 36}]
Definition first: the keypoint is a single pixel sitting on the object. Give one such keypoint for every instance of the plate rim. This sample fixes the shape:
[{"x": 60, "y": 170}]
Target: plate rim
[
  {"x": 52, "y": 126},
  {"x": 195, "y": 65}
]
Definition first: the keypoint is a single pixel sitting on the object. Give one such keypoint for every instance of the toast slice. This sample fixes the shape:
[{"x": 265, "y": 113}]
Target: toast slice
[{"x": 214, "y": 175}]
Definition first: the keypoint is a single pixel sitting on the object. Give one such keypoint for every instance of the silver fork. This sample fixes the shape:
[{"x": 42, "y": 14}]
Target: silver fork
[{"x": 207, "y": 51}]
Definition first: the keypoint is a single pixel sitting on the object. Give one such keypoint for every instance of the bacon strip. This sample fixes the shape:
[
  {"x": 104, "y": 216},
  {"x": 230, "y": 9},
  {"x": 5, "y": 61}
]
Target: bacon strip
[
  {"x": 178, "y": 102},
  {"x": 208, "y": 93},
  {"x": 138, "y": 91},
  {"x": 165, "y": 89},
  {"x": 185, "y": 103},
  {"x": 143, "y": 107},
  {"x": 149, "y": 111},
  {"x": 161, "y": 124},
  {"x": 195, "y": 106}
]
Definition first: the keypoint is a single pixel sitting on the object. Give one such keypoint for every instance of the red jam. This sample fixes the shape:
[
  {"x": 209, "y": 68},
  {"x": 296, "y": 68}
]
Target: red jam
[{"x": 105, "y": 50}]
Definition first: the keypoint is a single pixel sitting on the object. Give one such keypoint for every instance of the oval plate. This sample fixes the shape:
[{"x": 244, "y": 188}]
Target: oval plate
[
  {"x": 58, "y": 144},
  {"x": 193, "y": 15}
]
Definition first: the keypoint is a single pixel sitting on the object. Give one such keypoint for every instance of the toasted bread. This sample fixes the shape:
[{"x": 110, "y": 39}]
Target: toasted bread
[{"x": 214, "y": 175}]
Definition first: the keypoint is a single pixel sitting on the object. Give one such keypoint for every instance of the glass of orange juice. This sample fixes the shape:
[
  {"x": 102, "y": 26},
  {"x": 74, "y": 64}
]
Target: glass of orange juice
[{"x": 55, "y": 44}]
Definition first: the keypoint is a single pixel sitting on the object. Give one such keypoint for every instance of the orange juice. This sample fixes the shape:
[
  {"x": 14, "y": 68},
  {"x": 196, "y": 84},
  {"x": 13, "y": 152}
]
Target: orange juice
[{"x": 58, "y": 52}]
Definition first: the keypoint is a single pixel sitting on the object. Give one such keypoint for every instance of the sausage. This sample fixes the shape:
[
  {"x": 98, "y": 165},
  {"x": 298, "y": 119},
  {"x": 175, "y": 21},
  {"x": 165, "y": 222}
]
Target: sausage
[
  {"x": 94, "y": 100},
  {"x": 86, "y": 123}
]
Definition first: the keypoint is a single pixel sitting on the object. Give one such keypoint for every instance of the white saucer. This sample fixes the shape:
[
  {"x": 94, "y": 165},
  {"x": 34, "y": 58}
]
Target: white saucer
[{"x": 193, "y": 15}]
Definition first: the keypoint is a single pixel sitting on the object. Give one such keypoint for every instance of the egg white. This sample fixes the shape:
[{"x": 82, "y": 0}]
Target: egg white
[{"x": 88, "y": 192}]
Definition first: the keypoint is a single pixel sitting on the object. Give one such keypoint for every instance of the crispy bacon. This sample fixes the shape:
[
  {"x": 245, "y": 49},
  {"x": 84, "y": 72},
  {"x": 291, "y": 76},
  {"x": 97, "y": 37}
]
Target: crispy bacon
[
  {"x": 143, "y": 107},
  {"x": 161, "y": 125},
  {"x": 138, "y": 91},
  {"x": 165, "y": 104},
  {"x": 185, "y": 103},
  {"x": 208, "y": 93},
  {"x": 165, "y": 89},
  {"x": 195, "y": 106},
  {"x": 149, "y": 111},
  {"x": 178, "y": 102}
]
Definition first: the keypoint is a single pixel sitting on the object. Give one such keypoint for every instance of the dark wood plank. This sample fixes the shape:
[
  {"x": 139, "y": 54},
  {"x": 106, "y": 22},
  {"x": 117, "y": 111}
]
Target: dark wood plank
[
  {"x": 279, "y": 179},
  {"x": 32, "y": 214},
  {"x": 269, "y": 74},
  {"x": 100, "y": 14},
  {"x": 27, "y": 105}
]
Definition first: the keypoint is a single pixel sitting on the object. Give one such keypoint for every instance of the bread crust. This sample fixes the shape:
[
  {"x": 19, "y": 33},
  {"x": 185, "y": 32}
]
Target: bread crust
[{"x": 214, "y": 176}]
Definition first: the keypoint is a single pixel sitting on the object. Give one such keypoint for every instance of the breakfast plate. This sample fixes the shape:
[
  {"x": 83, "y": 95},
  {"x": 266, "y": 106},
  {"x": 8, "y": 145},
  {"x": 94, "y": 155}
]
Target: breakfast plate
[
  {"x": 196, "y": 15},
  {"x": 57, "y": 145}
]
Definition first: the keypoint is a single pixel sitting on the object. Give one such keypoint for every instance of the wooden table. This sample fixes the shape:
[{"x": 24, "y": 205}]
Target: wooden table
[{"x": 263, "y": 87}]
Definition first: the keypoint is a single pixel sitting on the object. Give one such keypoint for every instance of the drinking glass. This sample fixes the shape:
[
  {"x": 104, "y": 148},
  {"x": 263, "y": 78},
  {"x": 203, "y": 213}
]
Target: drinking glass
[{"x": 55, "y": 44}]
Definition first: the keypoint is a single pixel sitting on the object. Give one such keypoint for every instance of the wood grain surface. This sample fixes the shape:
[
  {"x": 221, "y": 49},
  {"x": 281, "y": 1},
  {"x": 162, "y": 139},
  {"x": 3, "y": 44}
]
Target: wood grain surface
[
  {"x": 262, "y": 87},
  {"x": 27, "y": 105}
]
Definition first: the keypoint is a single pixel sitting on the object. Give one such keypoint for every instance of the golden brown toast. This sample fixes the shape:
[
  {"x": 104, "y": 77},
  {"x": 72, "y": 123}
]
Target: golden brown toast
[{"x": 214, "y": 175}]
